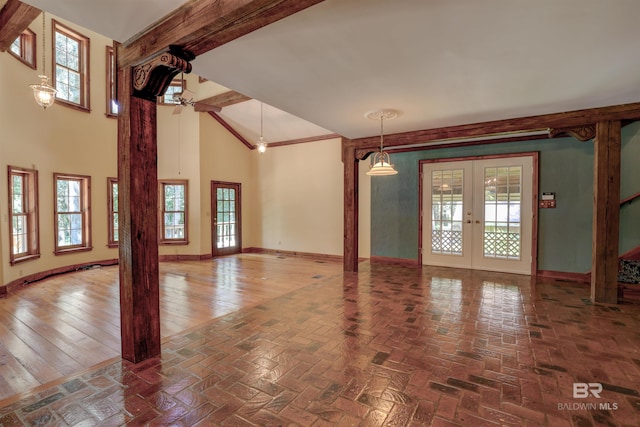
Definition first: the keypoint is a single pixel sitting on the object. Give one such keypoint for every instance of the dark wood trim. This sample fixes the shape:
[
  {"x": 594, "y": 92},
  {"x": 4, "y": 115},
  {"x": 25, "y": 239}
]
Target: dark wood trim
[
  {"x": 304, "y": 140},
  {"x": 138, "y": 222},
  {"x": 629, "y": 199},
  {"x": 84, "y": 66},
  {"x": 225, "y": 99},
  {"x": 237, "y": 186},
  {"x": 351, "y": 188},
  {"x": 278, "y": 252},
  {"x": 199, "y": 26},
  {"x": 395, "y": 261},
  {"x": 606, "y": 212},
  {"x": 35, "y": 277},
  {"x": 581, "y": 133},
  {"x": 463, "y": 144},
  {"x": 162, "y": 240},
  {"x": 567, "y": 276},
  {"x": 183, "y": 257},
  {"x": 28, "y": 49},
  {"x": 231, "y": 130},
  {"x": 15, "y": 17},
  {"x": 565, "y": 120},
  {"x": 633, "y": 254}
]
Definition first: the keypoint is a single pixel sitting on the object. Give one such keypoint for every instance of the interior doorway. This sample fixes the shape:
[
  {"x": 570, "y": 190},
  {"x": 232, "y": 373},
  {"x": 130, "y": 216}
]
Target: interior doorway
[
  {"x": 226, "y": 229},
  {"x": 479, "y": 213}
]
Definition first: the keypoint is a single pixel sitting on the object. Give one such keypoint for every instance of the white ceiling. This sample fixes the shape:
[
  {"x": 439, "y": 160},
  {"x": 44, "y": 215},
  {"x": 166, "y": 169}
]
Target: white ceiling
[{"x": 437, "y": 62}]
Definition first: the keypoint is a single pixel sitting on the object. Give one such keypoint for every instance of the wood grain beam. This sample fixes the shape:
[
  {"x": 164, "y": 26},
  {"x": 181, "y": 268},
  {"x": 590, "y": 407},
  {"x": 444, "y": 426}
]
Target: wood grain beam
[
  {"x": 572, "y": 119},
  {"x": 199, "y": 26},
  {"x": 225, "y": 99},
  {"x": 15, "y": 16},
  {"x": 138, "y": 222},
  {"x": 606, "y": 212},
  {"x": 350, "y": 242}
]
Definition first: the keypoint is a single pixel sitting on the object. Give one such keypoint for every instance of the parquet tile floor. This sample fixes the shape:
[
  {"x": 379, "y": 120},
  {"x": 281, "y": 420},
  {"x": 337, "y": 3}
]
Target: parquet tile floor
[{"x": 390, "y": 345}]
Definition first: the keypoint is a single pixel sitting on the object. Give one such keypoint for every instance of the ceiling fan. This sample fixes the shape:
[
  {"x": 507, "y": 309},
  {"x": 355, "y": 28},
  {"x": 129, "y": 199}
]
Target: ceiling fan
[{"x": 184, "y": 98}]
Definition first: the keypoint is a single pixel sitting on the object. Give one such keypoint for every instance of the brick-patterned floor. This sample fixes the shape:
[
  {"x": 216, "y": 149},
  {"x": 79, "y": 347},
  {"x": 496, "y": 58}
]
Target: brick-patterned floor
[{"x": 391, "y": 345}]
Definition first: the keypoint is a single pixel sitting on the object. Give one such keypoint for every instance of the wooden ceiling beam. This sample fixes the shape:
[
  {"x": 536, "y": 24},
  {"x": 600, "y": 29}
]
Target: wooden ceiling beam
[
  {"x": 199, "y": 26},
  {"x": 225, "y": 99},
  {"x": 15, "y": 16},
  {"x": 572, "y": 119}
]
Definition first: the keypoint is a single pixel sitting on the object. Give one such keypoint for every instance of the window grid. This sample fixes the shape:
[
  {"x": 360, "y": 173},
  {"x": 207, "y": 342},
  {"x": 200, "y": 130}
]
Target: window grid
[
  {"x": 72, "y": 211},
  {"x": 226, "y": 218},
  {"x": 112, "y": 90},
  {"x": 23, "y": 210},
  {"x": 446, "y": 216},
  {"x": 176, "y": 86},
  {"x": 502, "y": 204},
  {"x": 112, "y": 202},
  {"x": 173, "y": 220},
  {"x": 71, "y": 59}
]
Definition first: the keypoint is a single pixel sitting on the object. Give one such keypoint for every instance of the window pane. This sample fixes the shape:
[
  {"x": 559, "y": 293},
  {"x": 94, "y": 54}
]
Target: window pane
[{"x": 15, "y": 46}]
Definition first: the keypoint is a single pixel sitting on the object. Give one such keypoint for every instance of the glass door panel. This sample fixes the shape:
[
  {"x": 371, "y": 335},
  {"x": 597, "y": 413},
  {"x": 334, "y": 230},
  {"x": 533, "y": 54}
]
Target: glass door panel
[{"x": 225, "y": 210}]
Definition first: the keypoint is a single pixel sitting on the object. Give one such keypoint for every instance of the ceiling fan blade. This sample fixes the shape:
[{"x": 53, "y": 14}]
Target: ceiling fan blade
[
  {"x": 178, "y": 109},
  {"x": 201, "y": 106}
]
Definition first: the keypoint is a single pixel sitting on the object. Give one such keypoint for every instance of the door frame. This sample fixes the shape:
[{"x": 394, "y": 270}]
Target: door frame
[
  {"x": 214, "y": 203},
  {"x": 534, "y": 197}
]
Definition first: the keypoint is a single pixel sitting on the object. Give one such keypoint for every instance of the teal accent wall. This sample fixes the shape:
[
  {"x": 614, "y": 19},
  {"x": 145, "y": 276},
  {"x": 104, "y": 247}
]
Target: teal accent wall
[{"x": 565, "y": 168}]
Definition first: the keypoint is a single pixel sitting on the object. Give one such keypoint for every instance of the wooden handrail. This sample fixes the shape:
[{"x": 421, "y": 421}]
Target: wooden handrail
[{"x": 630, "y": 198}]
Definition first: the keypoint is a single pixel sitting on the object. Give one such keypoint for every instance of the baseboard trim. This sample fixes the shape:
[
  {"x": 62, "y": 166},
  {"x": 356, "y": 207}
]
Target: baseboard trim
[
  {"x": 183, "y": 257},
  {"x": 633, "y": 254},
  {"x": 563, "y": 275},
  {"x": 397, "y": 261},
  {"x": 277, "y": 252},
  {"x": 35, "y": 277}
]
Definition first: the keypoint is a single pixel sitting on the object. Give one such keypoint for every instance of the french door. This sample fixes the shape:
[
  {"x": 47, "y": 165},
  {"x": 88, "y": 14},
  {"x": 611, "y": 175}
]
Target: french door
[
  {"x": 225, "y": 217},
  {"x": 478, "y": 214}
]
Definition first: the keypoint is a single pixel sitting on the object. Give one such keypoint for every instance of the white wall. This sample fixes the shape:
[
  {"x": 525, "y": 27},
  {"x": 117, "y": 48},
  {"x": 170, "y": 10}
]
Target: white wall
[{"x": 300, "y": 195}]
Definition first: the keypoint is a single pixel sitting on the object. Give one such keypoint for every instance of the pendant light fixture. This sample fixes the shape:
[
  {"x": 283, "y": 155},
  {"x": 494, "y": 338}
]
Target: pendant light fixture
[
  {"x": 262, "y": 144},
  {"x": 44, "y": 94},
  {"x": 381, "y": 162}
]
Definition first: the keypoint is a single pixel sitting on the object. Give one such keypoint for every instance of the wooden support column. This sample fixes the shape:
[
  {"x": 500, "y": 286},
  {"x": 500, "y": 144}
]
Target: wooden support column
[
  {"x": 350, "y": 250},
  {"x": 138, "y": 88},
  {"x": 606, "y": 213}
]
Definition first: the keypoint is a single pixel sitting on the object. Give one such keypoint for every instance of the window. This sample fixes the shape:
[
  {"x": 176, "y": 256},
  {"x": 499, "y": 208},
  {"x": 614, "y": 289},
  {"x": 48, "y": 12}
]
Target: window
[
  {"x": 173, "y": 216},
  {"x": 71, "y": 63},
  {"x": 24, "y": 48},
  {"x": 72, "y": 213},
  {"x": 23, "y": 213},
  {"x": 112, "y": 89},
  {"x": 112, "y": 203},
  {"x": 176, "y": 86}
]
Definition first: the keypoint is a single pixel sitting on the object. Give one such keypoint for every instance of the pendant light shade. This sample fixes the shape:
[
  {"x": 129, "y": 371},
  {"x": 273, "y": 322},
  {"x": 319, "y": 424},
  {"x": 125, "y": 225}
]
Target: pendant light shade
[
  {"x": 44, "y": 94},
  {"x": 381, "y": 162},
  {"x": 262, "y": 144}
]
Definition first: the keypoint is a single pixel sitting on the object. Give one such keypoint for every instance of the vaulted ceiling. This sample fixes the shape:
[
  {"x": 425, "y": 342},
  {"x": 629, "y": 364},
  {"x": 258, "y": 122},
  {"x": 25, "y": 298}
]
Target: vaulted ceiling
[{"x": 437, "y": 62}]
